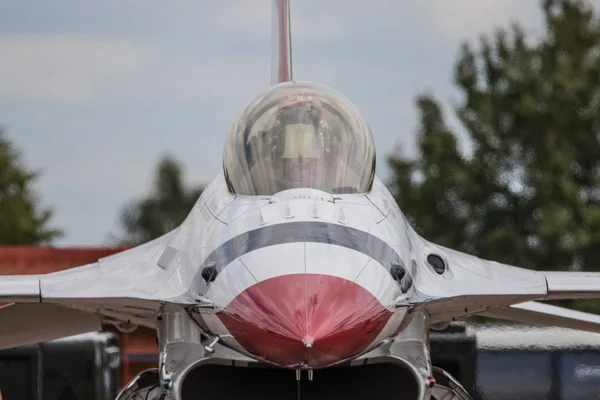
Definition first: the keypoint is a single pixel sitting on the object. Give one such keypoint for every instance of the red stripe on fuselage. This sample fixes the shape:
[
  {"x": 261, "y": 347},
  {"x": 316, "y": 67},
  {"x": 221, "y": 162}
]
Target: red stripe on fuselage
[{"x": 309, "y": 320}]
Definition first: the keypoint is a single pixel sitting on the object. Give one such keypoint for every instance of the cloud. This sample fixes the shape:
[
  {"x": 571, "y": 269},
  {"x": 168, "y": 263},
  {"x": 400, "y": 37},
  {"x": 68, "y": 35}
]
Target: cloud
[
  {"x": 236, "y": 16},
  {"x": 324, "y": 20},
  {"x": 465, "y": 19},
  {"x": 64, "y": 68},
  {"x": 78, "y": 69}
]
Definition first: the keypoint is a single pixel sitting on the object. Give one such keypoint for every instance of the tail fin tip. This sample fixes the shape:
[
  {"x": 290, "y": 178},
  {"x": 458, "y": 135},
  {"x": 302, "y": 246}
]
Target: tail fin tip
[{"x": 281, "y": 42}]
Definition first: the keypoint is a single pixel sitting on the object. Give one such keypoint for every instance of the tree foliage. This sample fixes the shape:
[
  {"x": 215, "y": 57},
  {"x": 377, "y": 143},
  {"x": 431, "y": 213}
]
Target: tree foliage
[
  {"x": 22, "y": 221},
  {"x": 165, "y": 208},
  {"x": 528, "y": 191}
]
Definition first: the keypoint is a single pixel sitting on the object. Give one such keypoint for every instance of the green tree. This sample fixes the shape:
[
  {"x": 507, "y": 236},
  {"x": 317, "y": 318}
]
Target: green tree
[
  {"x": 528, "y": 191},
  {"x": 165, "y": 208},
  {"x": 22, "y": 221}
]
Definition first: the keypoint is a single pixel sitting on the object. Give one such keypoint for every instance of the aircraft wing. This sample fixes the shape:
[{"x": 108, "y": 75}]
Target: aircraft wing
[
  {"x": 472, "y": 285},
  {"x": 128, "y": 287},
  {"x": 573, "y": 285},
  {"x": 545, "y": 314},
  {"x": 30, "y": 323}
]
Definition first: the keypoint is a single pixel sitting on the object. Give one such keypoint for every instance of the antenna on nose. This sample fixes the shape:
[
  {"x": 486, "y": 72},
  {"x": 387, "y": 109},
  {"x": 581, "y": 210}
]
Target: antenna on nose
[{"x": 281, "y": 69}]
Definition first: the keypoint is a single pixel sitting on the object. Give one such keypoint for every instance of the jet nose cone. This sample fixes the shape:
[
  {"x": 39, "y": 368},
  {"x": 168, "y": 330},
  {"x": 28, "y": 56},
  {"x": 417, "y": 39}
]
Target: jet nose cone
[{"x": 308, "y": 320}]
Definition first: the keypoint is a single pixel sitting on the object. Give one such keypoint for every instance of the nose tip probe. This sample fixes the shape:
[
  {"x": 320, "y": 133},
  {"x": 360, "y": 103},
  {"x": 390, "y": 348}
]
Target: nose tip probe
[{"x": 307, "y": 341}]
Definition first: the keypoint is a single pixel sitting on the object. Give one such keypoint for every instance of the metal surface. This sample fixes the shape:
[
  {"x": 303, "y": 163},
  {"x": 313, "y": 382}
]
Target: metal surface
[
  {"x": 295, "y": 256},
  {"x": 316, "y": 321},
  {"x": 573, "y": 285},
  {"x": 446, "y": 387},
  {"x": 21, "y": 288},
  {"x": 29, "y": 323},
  {"x": 546, "y": 314},
  {"x": 144, "y": 386}
]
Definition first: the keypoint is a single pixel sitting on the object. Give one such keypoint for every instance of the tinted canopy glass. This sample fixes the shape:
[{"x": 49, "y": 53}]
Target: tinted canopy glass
[{"x": 299, "y": 135}]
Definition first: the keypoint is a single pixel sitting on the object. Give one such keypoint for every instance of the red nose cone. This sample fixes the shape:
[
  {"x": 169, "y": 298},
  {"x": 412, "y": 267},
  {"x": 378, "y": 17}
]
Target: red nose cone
[{"x": 305, "y": 319}]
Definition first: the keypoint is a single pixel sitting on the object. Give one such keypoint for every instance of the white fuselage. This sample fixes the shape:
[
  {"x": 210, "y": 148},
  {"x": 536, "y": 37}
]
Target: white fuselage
[{"x": 302, "y": 277}]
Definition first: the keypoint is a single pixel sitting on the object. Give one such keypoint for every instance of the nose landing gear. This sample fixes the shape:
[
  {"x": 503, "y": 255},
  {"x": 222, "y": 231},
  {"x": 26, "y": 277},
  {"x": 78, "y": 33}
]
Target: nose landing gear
[
  {"x": 145, "y": 386},
  {"x": 446, "y": 387}
]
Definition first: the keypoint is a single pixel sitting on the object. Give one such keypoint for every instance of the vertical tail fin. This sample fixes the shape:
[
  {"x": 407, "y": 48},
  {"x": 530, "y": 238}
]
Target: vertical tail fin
[{"x": 282, "y": 43}]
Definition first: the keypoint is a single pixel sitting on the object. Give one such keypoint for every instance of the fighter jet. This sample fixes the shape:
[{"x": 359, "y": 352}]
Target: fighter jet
[{"x": 295, "y": 275}]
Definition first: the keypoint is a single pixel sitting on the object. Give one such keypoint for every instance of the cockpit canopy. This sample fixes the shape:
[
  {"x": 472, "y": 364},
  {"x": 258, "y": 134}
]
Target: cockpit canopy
[{"x": 299, "y": 135}]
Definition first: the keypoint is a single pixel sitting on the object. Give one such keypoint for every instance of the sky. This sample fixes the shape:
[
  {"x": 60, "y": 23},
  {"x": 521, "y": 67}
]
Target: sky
[{"x": 94, "y": 93}]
